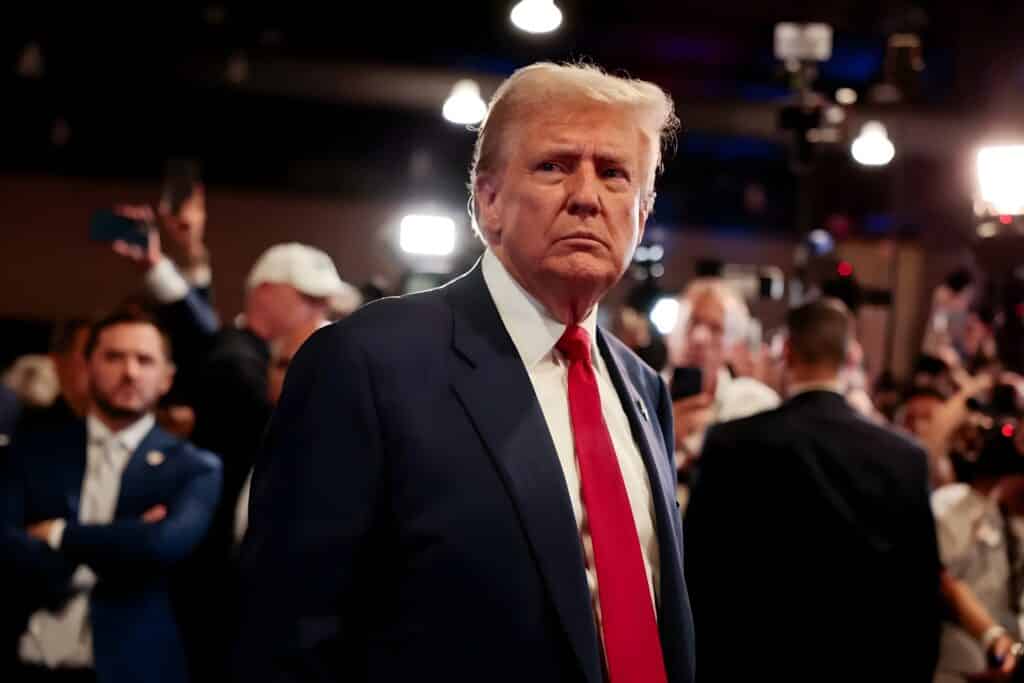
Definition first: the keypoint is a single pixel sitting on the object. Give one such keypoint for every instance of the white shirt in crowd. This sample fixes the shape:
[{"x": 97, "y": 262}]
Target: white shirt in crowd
[
  {"x": 64, "y": 638},
  {"x": 735, "y": 398},
  {"x": 972, "y": 546},
  {"x": 534, "y": 334}
]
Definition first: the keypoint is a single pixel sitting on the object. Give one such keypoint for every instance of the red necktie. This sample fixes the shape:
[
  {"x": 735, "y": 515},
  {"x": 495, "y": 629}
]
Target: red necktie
[{"x": 631, "y": 642}]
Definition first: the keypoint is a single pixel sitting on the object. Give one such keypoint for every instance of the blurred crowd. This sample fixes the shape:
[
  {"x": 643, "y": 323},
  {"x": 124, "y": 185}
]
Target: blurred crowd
[{"x": 962, "y": 404}]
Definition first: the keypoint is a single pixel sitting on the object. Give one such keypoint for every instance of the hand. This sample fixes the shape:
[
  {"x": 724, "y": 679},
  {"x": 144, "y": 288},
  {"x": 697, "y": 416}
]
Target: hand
[
  {"x": 144, "y": 258},
  {"x": 186, "y": 229},
  {"x": 157, "y": 513},
  {"x": 41, "y": 530},
  {"x": 1008, "y": 653},
  {"x": 690, "y": 416}
]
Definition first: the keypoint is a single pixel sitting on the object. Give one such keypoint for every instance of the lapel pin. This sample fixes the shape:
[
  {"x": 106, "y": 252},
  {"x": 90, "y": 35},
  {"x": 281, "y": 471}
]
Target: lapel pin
[
  {"x": 643, "y": 410},
  {"x": 155, "y": 458}
]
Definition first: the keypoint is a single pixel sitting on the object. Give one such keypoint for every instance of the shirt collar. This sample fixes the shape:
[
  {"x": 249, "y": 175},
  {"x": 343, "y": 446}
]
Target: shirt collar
[
  {"x": 833, "y": 386},
  {"x": 534, "y": 332},
  {"x": 129, "y": 438}
]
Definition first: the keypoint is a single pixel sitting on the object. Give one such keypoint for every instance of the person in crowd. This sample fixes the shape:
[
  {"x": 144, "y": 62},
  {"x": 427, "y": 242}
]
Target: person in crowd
[
  {"x": 1003, "y": 653},
  {"x": 95, "y": 515},
  {"x": 951, "y": 302},
  {"x": 918, "y": 408},
  {"x": 712, "y": 320},
  {"x": 475, "y": 482},
  {"x": 980, "y": 544},
  {"x": 281, "y": 353},
  {"x": 67, "y": 357},
  {"x": 813, "y": 512},
  {"x": 33, "y": 379}
]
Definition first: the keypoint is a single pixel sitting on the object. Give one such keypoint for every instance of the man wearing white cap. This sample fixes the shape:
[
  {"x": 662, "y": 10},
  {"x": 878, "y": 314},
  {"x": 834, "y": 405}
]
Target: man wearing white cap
[{"x": 291, "y": 286}]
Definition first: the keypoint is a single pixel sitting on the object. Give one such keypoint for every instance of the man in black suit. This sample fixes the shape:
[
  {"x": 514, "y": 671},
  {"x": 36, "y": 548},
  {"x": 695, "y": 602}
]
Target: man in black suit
[
  {"x": 475, "y": 483},
  {"x": 811, "y": 549}
]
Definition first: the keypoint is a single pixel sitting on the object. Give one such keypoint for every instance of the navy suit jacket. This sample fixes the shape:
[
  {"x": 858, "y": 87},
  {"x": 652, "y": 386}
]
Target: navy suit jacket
[
  {"x": 811, "y": 549},
  {"x": 134, "y": 634},
  {"x": 410, "y": 519}
]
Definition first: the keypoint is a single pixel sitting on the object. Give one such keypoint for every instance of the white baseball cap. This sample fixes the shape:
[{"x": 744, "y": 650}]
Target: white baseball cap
[{"x": 305, "y": 268}]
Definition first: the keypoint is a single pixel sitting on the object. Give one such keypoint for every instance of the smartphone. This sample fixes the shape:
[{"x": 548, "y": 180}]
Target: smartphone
[
  {"x": 107, "y": 226},
  {"x": 686, "y": 382}
]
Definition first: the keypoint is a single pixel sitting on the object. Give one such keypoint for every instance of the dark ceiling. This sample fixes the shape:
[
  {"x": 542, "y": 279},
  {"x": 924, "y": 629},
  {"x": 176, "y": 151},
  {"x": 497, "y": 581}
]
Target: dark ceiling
[{"x": 345, "y": 100}]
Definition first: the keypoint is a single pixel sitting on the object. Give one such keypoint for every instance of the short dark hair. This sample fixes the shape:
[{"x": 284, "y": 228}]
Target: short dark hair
[
  {"x": 819, "y": 332},
  {"x": 64, "y": 332},
  {"x": 128, "y": 315}
]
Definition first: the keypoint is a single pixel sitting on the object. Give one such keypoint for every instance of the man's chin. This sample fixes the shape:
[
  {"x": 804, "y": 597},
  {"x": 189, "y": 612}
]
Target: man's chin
[
  {"x": 121, "y": 410},
  {"x": 583, "y": 268}
]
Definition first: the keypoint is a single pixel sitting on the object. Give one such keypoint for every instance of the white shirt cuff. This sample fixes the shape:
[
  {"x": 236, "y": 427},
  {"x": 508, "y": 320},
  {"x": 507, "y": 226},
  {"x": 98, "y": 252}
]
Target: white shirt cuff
[
  {"x": 200, "y": 276},
  {"x": 83, "y": 579},
  {"x": 165, "y": 283},
  {"x": 56, "y": 534}
]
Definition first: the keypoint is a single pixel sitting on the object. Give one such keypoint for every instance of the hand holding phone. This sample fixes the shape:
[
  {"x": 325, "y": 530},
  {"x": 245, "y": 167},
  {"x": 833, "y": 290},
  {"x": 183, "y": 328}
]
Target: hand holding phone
[
  {"x": 686, "y": 382},
  {"x": 131, "y": 232}
]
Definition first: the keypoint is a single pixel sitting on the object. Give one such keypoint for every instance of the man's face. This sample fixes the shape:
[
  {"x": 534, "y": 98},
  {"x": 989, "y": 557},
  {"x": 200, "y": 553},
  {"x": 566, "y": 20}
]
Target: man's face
[
  {"x": 282, "y": 352},
  {"x": 568, "y": 204},
  {"x": 73, "y": 372},
  {"x": 275, "y": 309},
  {"x": 128, "y": 370},
  {"x": 919, "y": 412},
  {"x": 705, "y": 333}
]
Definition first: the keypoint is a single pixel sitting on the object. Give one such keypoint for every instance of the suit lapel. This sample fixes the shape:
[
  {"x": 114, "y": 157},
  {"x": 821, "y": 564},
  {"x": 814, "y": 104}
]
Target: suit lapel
[
  {"x": 131, "y": 496},
  {"x": 647, "y": 436},
  {"x": 495, "y": 390},
  {"x": 674, "y": 621},
  {"x": 75, "y": 441}
]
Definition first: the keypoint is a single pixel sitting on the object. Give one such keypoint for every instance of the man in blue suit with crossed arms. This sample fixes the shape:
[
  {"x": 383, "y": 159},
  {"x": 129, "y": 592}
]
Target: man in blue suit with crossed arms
[
  {"x": 475, "y": 483},
  {"x": 95, "y": 514}
]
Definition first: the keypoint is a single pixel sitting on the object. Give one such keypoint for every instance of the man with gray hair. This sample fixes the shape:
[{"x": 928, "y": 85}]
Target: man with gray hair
[
  {"x": 475, "y": 482},
  {"x": 713, "y": 319}
]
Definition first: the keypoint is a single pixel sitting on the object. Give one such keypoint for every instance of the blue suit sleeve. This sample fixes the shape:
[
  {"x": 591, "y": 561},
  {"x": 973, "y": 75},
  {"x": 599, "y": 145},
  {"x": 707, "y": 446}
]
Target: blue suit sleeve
[
  {"x": 31, "y": 563},
  {"x": 125, "y": 546},
  {"x": 315, "y": 500}
]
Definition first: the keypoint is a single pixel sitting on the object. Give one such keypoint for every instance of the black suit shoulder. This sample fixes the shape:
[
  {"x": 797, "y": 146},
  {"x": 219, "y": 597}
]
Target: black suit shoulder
[
  {"x": 825, "y": 419},
  {"x": 388, "y": 330}
]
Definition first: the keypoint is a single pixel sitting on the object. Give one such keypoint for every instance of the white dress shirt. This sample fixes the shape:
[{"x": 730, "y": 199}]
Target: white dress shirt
[
  {"x": 64, "y": 638},
  {"x": 534, "y": 334},
  {"x": 972, "y": 535}
]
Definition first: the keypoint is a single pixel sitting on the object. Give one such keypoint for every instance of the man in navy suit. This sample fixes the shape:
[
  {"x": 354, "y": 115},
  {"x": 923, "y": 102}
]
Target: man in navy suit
[
  {"x": 475, "y": 483},
  {"x": 95, "y": 514},
  {"x": 810, "y": 530}
]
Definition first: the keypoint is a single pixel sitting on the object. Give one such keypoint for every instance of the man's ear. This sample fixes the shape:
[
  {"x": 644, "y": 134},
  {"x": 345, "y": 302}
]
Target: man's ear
[
  {"x": 646, "y": 209},
  {"x": 488, "y": 207},
  {"x": 167, "y": 381}
]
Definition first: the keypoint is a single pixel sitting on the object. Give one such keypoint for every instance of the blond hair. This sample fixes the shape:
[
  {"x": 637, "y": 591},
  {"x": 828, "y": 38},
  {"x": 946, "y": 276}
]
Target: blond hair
[{"x": 544, "y": 83}]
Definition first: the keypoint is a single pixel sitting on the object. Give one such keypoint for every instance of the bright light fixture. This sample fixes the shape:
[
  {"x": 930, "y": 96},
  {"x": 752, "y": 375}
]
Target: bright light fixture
[
  {"x": 425, "y": 235},
  {"x": 846, "y": 96},
  {"x": 665, "y": 314},
  {"x": 873, "y": 147},
  {"x": 1001, "y": 178},
  {"x": 465, "y": 106},
  {"x": 536, "y": 16}
]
